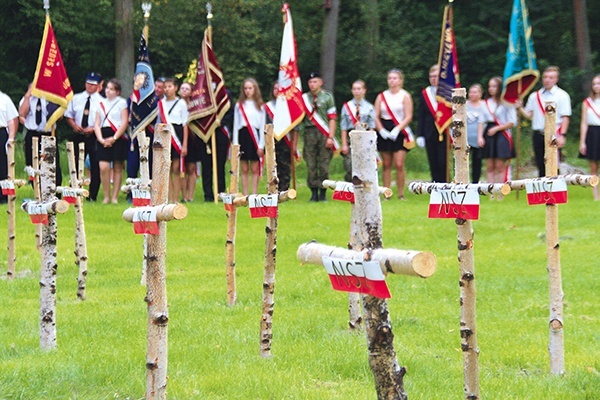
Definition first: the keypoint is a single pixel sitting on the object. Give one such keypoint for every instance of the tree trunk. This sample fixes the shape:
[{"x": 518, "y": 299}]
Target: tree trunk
[
  {"x": 156, "y": 288},
  {"x": 144, "y": 146},
  {"x": 80, "y": 238},
  {"x": 582, "y": 37},
  {"x": 384, "y": 365},
  {"x": 354, "y": 307},
  {"x": 468, "y": 331},
  {"x": 12, "y": 257},
  {"x": 266, "y": 323},
  {"x": 124, "y": 44},
  {"x": 556, "y": 346},
  {"x": 49, "y": 265},
  {"x": 329, "y": 45},
  {"x": 234, "y": 173},
  {"x": 372, "y": 23}
]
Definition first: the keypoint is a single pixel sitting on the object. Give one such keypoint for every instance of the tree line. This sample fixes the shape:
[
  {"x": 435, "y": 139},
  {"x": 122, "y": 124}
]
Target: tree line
[{"x": 373, "y": 37}]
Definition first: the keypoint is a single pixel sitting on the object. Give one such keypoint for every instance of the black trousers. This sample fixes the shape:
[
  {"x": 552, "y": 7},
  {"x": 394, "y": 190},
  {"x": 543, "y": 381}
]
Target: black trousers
[
  {"x": 437, "y": 157},
  {"x": 90, "y": 151},
  {"x": 207, "y": 166},
  {"x": 29, "y": 153},
  {"x": 3, "y": 160}
]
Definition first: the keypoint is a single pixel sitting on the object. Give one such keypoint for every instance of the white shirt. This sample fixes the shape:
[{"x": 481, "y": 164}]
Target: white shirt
[
  {"x": 502, "y": 112},
  {"x": 8, "y": 111},
  {"x": 396, "y": 103},
  {"x": 77, "y": 105},
  {"x": 176, "y": 111},
  {"x": 257, "y": 120},
  {"x": 30, "y": 117},
  {"x": 556, "y": 94},
  {"x": 113, "y": 108},
  {"x": 593, "y": 119}
]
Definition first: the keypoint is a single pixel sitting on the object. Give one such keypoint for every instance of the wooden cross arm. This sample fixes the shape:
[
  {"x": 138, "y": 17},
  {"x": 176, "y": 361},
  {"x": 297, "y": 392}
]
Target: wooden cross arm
[
  {"x": 54, "y": 207},
  {"x": 570, "y": 179},
  {"x": 135, "y": 181},
  {"x": 16, "y": 182},
  {"x": 242, "y": 201},
  {"x": 383, "y": 191},
  {"x": 482, "y": 188},
  {"x": 31, "y": 172},
  {"x": 130, "y": 187},
  {"x": 399, "y": 262},
  {"x": 78, "y": 191},
  {"x": 164, "y": 212}
]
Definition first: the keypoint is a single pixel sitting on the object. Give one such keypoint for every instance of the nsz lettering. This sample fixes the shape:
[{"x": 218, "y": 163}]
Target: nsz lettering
[
  {"x": 145, "y": 221},
  {"x": 356, "y": 276},
  {"x": 263, "y": 206},
  {"x": 454, "y": 204},
  {"x": 546, "y": 192}
]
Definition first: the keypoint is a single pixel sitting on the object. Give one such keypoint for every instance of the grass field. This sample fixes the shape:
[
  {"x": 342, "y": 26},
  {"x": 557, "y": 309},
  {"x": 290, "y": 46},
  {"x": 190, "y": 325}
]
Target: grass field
[{"x": 213, "y": 348}]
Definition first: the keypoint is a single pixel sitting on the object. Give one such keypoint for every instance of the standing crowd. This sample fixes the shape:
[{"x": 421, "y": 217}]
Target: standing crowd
[{"x": 99, "y": 117}]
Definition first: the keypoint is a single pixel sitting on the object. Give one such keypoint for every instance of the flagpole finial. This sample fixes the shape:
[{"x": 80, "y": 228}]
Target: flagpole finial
[
  {"x": 146, "y": 7},
  {"x": 209, "y": 14},
  {"x": 46, "y": 5}
]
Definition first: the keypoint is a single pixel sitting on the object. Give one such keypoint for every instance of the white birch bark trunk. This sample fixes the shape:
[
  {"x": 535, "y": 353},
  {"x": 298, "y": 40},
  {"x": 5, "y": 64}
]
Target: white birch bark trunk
[
  {"x": 156, "y": 290},
  {"x": 231, "y": 227},
  {"x": 384, "y": 365},
  {"x": 468, "y": 294},
  {"x": 355, "y": 318},
  {"x": 35, "y": 161},
  {"x": 556, "y": 344},
  {"x": 10, "y": 211},
  {"x": 80, "y": 238},
  {"x": 49, "y": 265},
  {"x": 144, "y": 146},
  {"x": 268, "y": 302}
]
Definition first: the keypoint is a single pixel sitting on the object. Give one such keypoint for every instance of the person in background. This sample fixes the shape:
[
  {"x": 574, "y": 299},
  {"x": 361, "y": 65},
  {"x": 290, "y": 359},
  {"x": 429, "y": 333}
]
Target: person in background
[
  {"x": 393, "y": 113},
  {"x": 9, "y": 125},
  {"x": 248, "y": 132},
  {"x": 355, "y": 111},
  {"x": 80, "y": 116},
  {"x": 435, "y": 143},
  {"x": 110, "y": 127},
  {"x": 534, "y": 110},
  {"x": 319, "y": 135},
  {"x": 159, "y": 88},
  {"x": 193, "y": 151},
  {"x": 476, "y": 118},
  {"x": 589, "y": 142}
]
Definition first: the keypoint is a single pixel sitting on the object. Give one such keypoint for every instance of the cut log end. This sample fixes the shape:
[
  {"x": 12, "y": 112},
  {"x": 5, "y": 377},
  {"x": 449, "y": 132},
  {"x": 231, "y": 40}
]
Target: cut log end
[
  {"x": 62, "y": 206},
  {"x": 180, "y": 211},
  {"x": 291, "y": 194},
  {"x": 424, "y": 264}
]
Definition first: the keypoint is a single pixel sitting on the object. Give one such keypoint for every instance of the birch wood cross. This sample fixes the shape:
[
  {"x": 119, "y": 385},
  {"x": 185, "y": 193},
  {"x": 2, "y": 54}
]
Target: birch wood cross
[
  {"x": 156, "y": 274},
  {"x": 8, "y": 186},
  {"x": 544, "y": 186},
  {"x": 367, "y": 220},
  {"x": 354, "y": 311},
  {"x": 140, "y": 190},
  {"x": 33, "y": 171},
  {"x": 49, "y": 205}
]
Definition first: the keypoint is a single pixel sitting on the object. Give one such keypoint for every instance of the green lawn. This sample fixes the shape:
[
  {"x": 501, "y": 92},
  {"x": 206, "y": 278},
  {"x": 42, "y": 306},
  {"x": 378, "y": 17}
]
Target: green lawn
[{"x": 214, "y": 349}]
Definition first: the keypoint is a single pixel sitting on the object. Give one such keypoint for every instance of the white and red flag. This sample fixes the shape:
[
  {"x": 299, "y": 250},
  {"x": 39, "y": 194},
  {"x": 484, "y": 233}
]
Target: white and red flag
[
  {"x": 357, "y": 276},
  {"x": 289, "y": 108},
  {"x": 454, "y": 203},
  {"x": 546, "y": 192}
]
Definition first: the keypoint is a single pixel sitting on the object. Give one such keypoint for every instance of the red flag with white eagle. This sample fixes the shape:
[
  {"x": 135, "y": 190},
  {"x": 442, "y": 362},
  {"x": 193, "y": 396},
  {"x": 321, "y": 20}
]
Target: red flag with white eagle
[{"x": 289, "y": 108}]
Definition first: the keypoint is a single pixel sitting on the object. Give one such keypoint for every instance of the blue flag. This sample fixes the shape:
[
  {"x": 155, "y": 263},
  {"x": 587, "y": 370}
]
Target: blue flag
[
  {"x": 143, "y": 101},
  {"x": 449, "y": 75},
  {"x": 520, "y": 71}
]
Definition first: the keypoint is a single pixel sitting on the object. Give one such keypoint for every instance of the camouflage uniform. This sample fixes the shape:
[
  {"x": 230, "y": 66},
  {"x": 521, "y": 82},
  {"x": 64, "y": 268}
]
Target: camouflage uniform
[{"x": 316, "y": 155}]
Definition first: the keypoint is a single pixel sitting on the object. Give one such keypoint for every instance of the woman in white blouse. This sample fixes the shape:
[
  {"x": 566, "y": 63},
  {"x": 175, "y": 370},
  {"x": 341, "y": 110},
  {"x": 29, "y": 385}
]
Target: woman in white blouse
[{"x": 589, "y": 143}]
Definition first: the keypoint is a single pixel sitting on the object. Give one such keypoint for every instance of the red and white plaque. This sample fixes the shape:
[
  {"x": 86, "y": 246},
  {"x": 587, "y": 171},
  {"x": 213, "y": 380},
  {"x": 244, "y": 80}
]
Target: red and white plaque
[
  {"x": 69, "y": 196},
  {"x": 140, "y": 198},
  {"x": 357, "y": 276},
  {"x": 546, "y": 192},
  {"x": 262, "y": 205},
  {"x": 8, "y": 188},
  {"x": 145, "y": 221},
  {"x": 451, "y": 203},
  {"x": 37, "y": 213},
  {"x": 227, "y": 202},
  {"x": 344, "y": 191}
]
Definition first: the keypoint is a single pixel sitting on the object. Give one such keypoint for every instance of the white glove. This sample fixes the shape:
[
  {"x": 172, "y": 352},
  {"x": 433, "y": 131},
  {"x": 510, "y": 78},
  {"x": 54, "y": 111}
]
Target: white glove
[
  {"x": 394, "y": 133},
  {"x": 384, "y": 133},
  {"x": 421, "y": 141}
]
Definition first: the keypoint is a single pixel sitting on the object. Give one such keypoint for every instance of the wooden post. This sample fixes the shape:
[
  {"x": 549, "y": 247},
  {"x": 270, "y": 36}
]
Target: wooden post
[
  {"x": 268, "y": 302},
  {"x": 354, "y": 309},
  {"x": 556, "y": 345},
  {"x": 49, "y": 264},
  {"x": 80, "y": 238},
  {"x": 384, "y": 365},
  {"x": 35, "y": 161},
  {"x": 12, "y": 257},
  {"x": 231, "y": 227}
]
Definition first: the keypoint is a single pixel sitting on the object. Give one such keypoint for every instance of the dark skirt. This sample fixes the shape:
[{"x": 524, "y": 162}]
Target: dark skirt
[
  {"x": 498, "y": 145},
  {"x": 247, "y": 148},
  {"x": 592, "y": 142},
  {"x": 117, "y": 152},
  {"x": 193, "y": 147},
  {"x": 388, "y": 145},
  {"x": 179, "y": 132}
]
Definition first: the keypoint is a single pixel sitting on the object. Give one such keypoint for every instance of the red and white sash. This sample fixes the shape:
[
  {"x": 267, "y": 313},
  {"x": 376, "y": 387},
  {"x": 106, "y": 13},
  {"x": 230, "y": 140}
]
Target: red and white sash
[
  {"x": 253, "y": 134},
  {"x": 352, "y": 112},
  {"x": 409, "y": 138},
  {"x": 175, "y": 142},
  {"x": 430, "y": 100},
  {"x": 317, "y": 120},
  {"x": 539, "y": 101},
  {"x": 590, "y": 103},
  {"x": 506, "y": 134},
  {"x": 112, "y": 126},
  {"x": 288, "y": 140}
]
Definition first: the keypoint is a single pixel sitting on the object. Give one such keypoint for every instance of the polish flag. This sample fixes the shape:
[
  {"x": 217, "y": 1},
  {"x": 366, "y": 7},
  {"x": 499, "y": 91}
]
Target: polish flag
[
  {"x": 262, "y": 206},
  {"x": 145, "y": 221},
  {"x": 37, "y": 213},
  {"x": 546, "y": 192},
  {"x": 69, "y": 196},
  {"x": 357, "y": 277},
  {"x": 344, "y": 191},
  {"x": 452, "y": 203},
  {"x": 289, "y": 108},
  {"x": 140, "y": 198},
  {"x": 8, "y": 188}
]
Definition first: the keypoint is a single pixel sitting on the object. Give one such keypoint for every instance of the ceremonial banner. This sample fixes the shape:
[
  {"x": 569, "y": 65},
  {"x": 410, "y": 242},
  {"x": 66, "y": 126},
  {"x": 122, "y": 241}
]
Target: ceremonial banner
[
  {"x": 289, "y": 108},
  {"x": 449, "y": 75},
  {"x": 520, "y": 71},
  {"x": 143, "y": 101},
  {"x": 357, "y": 277},
  {"x": 209, "y": 101},
  {"x": 50, "y": 81}
]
